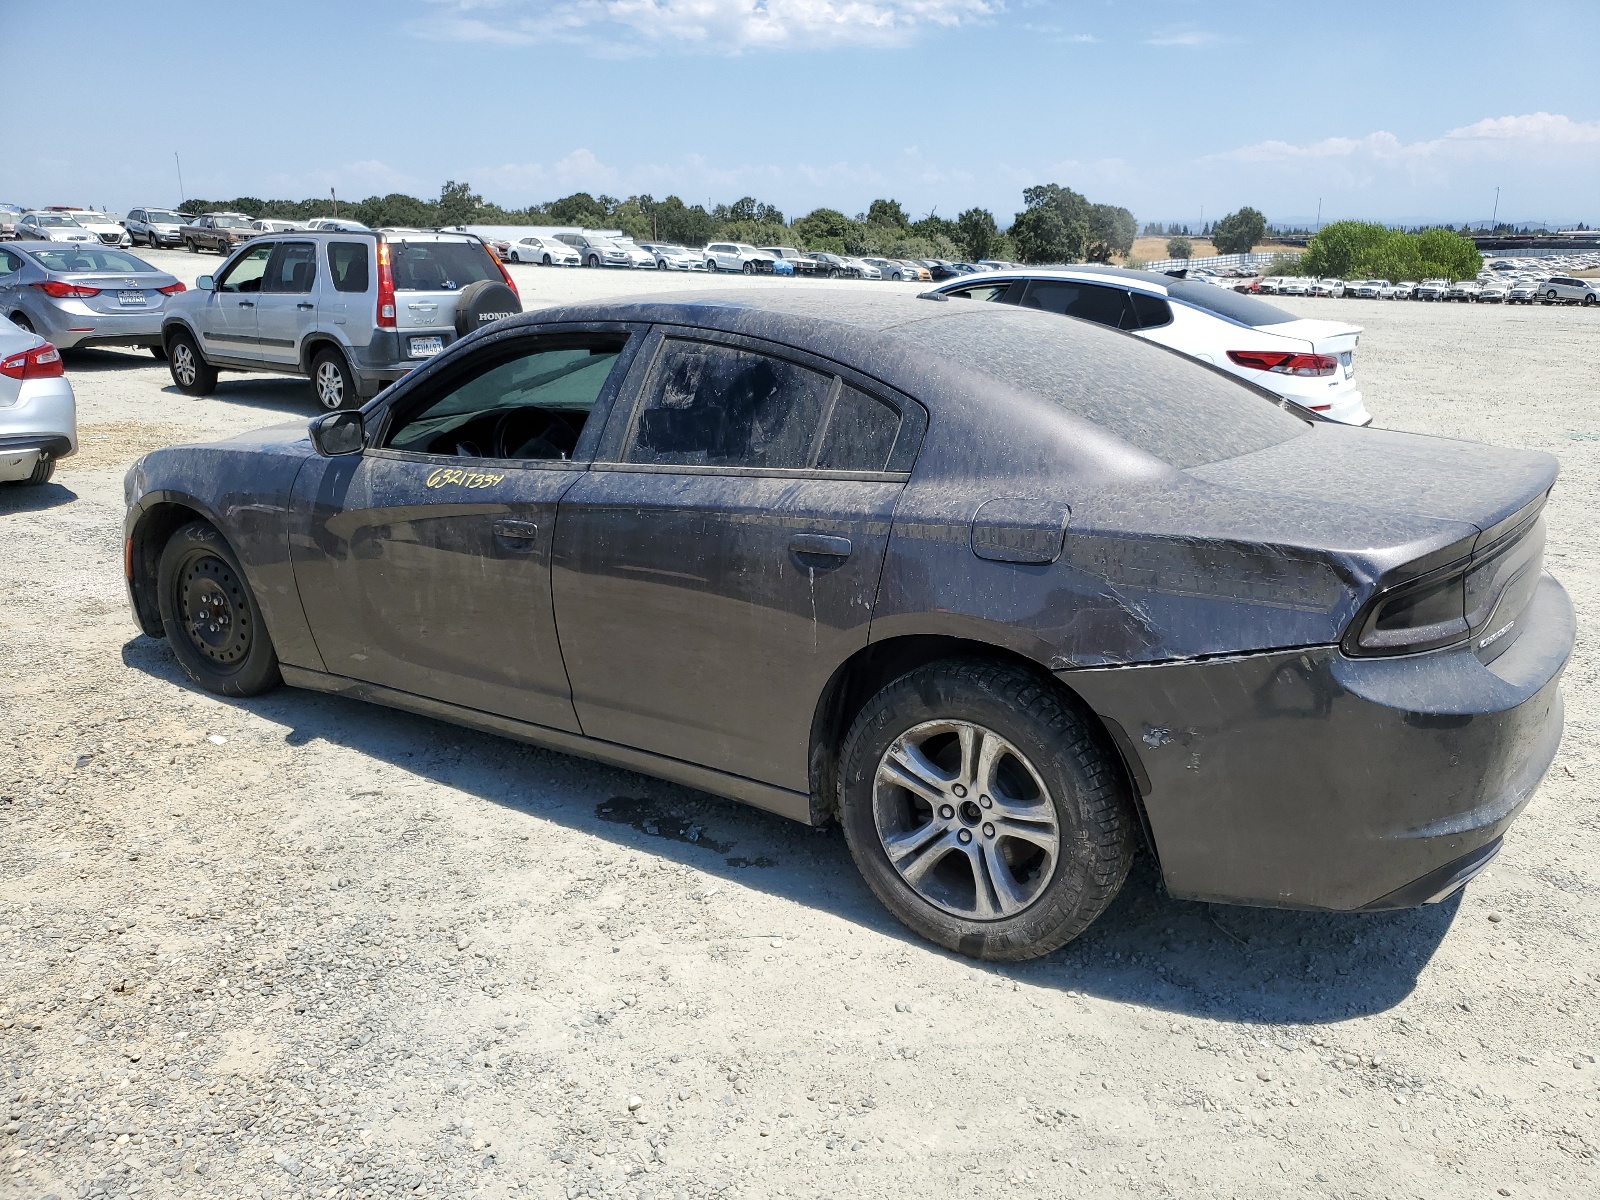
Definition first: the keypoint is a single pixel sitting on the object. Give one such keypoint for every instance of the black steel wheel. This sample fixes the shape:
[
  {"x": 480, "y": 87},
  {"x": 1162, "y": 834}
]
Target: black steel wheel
[
  {"x": 986, "y": 809},
  {"x": 211, "y": 617}
]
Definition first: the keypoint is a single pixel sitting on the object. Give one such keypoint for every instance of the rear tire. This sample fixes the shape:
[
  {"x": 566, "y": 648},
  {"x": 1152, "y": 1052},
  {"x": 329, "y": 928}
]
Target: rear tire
[
  {"x": 22, "y": 323},
  {"x": 210, "y": 615},
  {"x": 333, "y": 382},
  {"x": 192, "y": 374},
  {"x": 1018, "y": 829},
  {"x": 43, "y": 471}
]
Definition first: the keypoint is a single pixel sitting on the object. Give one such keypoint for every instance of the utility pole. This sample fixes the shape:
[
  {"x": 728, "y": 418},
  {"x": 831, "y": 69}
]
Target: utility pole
[
  {"x": 1494, "y": 219},
  {"x": 181, "y": 196},
  {"x": 1319, "y": 214},
  {"x": 335, "y": 196}
]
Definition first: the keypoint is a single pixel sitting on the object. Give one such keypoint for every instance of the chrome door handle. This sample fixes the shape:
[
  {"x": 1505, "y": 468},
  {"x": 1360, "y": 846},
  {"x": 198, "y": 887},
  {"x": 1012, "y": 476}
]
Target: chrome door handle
[
  {"x": 820, "y": 543},
  {"x": 517, "y": 531}
]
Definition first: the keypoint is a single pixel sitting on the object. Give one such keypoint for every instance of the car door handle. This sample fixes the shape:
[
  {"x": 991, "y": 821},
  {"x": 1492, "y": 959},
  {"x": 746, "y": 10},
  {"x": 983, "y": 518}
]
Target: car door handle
[
  {"x": 305, "y": 307},
  {"x": 247, "y": 304},
  {"x": 820, "y": 543},
  {"x": 516, "y": 531}
]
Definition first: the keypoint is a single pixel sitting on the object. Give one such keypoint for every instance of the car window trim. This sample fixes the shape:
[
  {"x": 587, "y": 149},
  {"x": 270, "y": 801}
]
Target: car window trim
[
  {"x": 429, "y": 382},
  {"x": 630, "y": 399}
]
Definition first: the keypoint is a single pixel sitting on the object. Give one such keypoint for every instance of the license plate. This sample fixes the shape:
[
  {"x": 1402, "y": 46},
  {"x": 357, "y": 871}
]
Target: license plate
[
  {"x": 129, "y": 299},
  {"x": 1348, "y": 359},
  {"x": 426, "y": 347}
]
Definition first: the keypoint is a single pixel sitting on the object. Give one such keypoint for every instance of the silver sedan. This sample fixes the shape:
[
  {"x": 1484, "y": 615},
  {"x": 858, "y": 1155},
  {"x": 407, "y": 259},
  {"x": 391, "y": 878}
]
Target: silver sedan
[
  {"x": 38, "y": 414},
  {"x": 84, "y": 295}
]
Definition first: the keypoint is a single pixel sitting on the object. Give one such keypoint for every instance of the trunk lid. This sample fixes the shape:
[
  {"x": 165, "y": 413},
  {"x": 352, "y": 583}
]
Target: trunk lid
[
  {"x": 137, "y": 292},
  {"x": 1323, "y": 337}
]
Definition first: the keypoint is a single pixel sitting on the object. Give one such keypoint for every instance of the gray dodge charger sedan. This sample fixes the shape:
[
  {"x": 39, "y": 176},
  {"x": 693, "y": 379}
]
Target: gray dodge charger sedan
[{"x": 1003, "y": 593}]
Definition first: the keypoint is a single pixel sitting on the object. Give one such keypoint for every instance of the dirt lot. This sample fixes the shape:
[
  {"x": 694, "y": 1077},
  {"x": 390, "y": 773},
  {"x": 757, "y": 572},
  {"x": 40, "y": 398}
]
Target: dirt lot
[{"x": 299, "y": 947}]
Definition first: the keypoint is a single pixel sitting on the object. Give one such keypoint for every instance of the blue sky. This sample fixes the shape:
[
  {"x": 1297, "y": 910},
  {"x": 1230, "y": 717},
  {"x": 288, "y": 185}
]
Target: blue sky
[{"x": 1400, "y": 110}]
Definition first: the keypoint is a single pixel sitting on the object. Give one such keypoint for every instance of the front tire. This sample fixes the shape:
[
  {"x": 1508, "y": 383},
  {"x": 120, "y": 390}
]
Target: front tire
[
  {"x": 193, "y": 375},
  {"x": 333, "y": 381},
  {"x": 211, "y": 617},
  {"x": 711, "y": 266},
  {"x": 985, "y": 809}
]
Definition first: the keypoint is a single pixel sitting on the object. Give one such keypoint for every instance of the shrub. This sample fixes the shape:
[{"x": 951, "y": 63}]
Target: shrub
[{"x": 1179, "y": 247}]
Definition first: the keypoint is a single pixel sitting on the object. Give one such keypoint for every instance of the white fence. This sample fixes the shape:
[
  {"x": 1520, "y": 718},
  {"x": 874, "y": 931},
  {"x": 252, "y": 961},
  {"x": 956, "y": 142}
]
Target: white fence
[{"x": 1216, "y": 260}]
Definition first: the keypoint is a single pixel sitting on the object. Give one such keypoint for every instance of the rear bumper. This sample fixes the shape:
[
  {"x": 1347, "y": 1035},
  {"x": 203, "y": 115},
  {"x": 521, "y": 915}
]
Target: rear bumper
[
  {"x": 75, "y": 331},
  {"x": 1308, "y": 779}
]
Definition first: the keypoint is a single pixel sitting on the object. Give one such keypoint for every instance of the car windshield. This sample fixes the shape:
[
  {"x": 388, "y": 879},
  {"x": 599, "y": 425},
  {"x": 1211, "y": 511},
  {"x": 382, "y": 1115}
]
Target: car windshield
[
  {"x": 1175, "y": 409},
  {"x": 230, "y": 222},
  {"x": 439, "y": 266},
  {"x": 160, "y": 216},
  {"x": 1230, "y": 304},
  {"x": 75, "y": 260},
  {"x": 55, "y": 221},
  {"x": 600, "y": 243}
]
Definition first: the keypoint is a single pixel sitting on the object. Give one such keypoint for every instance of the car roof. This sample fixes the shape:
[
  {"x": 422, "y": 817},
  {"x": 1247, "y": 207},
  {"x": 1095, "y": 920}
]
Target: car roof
[{"x": 1151, "y": 280}]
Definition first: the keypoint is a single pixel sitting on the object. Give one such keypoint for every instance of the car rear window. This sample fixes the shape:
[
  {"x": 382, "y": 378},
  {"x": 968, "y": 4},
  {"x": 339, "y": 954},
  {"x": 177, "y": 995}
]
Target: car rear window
[
  {"x": 439, "y": 266},
  {"x": 72, "y": 258},
  {"x": 1178, "y": 410},
  {"x": 1227, "y": 303}
]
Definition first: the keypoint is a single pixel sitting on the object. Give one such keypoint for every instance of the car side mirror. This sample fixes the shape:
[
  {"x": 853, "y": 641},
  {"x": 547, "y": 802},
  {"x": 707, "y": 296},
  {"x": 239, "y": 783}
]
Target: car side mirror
[
  {"x": 205, "y": 283},
  {"x": 339, "y": 433}
]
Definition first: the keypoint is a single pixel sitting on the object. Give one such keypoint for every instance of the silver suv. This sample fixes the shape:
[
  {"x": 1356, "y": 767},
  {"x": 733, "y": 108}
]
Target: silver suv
[{"x": 353, "y": 311}]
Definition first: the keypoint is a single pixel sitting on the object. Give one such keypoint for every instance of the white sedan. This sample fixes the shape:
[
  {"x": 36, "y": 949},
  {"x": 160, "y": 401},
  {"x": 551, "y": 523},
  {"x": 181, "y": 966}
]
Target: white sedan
[
  {"x": 547, "y": 252},
  {"x": 38, "y": 412},
  {"x": 1309, "y": 362},
  {"x": 868, "y": 271}
]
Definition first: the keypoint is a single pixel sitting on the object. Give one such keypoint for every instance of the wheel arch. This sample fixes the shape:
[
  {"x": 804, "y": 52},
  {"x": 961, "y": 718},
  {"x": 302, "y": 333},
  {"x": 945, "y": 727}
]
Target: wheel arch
[
  {"x": 316, "y": 342},
  {"x": 174, "y": 325},
  {"x": 148, "y": 531},
  {"x": 877, "y": 664}
]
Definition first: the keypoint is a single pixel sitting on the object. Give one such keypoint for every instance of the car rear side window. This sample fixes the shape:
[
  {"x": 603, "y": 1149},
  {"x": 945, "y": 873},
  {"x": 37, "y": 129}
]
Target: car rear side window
[
  {"x": 439, "y": 266},
  {"x": 1003, "y": 292},
  {"x": 349, "y": 264},
  {"x": 9, "y": 262},
  {"x": 1227, "y": 303},
  {"x": 717, "y": 406},
  {"x": 292, "y": 269},
  {"x": 1149, "y": 311},
  {"x": 860, "y": 433}
]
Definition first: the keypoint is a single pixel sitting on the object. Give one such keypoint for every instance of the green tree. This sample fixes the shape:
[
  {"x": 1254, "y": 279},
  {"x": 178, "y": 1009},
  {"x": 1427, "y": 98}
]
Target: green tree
[
  {"x": 1238, "y": 232},
  {"x": 1054, "y": 227},
  {"x": 687, "y": 225},
  {"x": 1335, "y": 249},
  {"x": 887, "y": 213},
  {"x": 1448, "y": 254},
  {"x": 976, "y": 233},
  {"x": 1111, "y": 232},
  {"x": 458, "y": 203},
  {"x": 1179, "y": 247},
  {"x": 748, "y": 210},
  {"x": 825, "y": 229},
  {"x": 580, "y": 209}
]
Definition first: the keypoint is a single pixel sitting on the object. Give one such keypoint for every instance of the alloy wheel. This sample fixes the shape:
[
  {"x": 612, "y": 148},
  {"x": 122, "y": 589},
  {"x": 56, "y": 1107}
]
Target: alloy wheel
[
  {"x": 965, "y": 820},
  {"x": 183, "y": 364},
  {"x": 330, "y": 385}
]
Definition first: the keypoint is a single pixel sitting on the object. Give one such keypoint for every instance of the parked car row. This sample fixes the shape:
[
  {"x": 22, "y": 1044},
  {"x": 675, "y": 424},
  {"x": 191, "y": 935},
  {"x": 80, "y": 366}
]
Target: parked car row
[{"x": 1488, "y": 289}]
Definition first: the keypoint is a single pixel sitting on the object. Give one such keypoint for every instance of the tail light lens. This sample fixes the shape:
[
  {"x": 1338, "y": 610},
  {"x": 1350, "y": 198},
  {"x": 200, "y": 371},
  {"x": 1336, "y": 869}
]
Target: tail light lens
[
  {"x": 172, "y": 289},
  {"x": 385, "y": 288},
  {"x": 1284, "y": 364},
  {"x": 66, "y": 291},
  {"x": 42, "y": 362},
  {"x": 1423, "y": 615},
  {"x": 506, "y": 275}
]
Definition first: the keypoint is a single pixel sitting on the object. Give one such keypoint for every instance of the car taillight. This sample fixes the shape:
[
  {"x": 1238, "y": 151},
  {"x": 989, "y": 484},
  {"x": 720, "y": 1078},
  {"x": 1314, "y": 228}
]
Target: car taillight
[
  {"x": 172, "y": 289},
  {"x": 385, "y": 288},
  {"x": 66, "y": 291},
  {"x": 42, "y": 362},
  {"x": 1283, "y": 363},
  {"x": 506, "y": 275},
  {"x": 1423, "y": 615}
]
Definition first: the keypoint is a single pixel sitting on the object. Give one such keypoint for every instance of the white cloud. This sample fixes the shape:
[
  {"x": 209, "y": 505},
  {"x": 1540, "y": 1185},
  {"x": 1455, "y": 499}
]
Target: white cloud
[
  {"x": 1533, "y": 156},
  {"x": 719, "y": 26},
  {"x": 1182, "y": 37}
]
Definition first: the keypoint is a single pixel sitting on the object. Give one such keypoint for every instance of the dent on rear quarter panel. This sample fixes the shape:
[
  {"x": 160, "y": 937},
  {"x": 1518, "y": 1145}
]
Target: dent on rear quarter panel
[{"x": 244, "y": 486}]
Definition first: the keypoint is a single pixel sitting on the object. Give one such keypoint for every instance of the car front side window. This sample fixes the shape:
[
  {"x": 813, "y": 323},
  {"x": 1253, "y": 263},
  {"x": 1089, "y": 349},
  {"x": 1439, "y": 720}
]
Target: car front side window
[
  {"x": 247, "y": 273},
  {"x": 527, "y": 402}
]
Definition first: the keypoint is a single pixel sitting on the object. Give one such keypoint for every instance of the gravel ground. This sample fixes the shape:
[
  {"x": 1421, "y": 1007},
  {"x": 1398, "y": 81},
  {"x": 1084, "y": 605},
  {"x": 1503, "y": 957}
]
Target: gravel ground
[{"x": 300, "y": 947}]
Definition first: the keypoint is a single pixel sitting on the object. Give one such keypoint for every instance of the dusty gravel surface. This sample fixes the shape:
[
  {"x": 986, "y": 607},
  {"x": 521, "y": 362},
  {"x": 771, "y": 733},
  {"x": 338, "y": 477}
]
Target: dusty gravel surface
[{"x": 299, "y": 947}]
